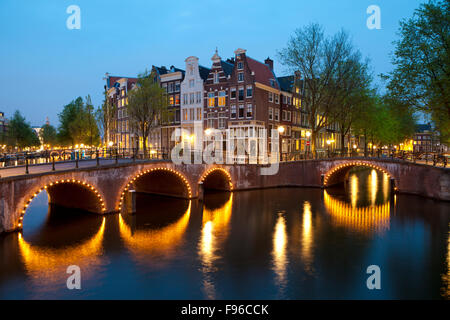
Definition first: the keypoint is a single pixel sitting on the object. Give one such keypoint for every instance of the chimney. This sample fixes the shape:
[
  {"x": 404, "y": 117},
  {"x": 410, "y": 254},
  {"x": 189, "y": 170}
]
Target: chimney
[{"x": 269, "y": 62}]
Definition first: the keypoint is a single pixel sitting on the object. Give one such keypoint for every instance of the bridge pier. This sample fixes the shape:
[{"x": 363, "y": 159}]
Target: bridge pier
[{"x": 131, "y": 202}]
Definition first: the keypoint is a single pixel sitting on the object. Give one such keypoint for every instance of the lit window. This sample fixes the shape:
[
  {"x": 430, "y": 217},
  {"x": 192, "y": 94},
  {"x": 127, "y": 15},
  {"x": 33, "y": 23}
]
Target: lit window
[
  {"x": 222, "y": 98},
  {"x": 211, "y": 99},
  {"x": 171, "y": 100},
  {"x": 177, "y": 99}
]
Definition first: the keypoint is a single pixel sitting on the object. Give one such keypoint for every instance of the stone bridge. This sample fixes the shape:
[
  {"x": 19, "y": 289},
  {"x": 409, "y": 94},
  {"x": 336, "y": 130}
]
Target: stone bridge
[{"x": 104, "y": 189}]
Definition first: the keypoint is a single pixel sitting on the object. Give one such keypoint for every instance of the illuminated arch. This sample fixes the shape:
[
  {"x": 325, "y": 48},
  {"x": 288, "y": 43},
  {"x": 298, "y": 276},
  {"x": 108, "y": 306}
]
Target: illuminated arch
[
  {"x": 147, "y": 171},
  {"x": 80, "y": 183},
  {"x": 224, "y": 173},
  {"x": 331, "y": 177}
]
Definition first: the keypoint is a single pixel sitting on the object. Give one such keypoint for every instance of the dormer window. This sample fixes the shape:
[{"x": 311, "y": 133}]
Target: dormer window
[
  {"x": 240, "y": 65},
  {"x": 272, "y": 83}
]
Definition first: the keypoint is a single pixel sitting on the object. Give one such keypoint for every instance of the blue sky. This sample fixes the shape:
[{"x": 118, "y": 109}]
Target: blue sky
[{"x": 44, "y": 65}]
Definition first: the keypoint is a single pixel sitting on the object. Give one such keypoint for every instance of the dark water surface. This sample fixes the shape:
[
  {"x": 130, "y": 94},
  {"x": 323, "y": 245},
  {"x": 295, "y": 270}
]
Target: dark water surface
[{"x": 291, "y": 243}]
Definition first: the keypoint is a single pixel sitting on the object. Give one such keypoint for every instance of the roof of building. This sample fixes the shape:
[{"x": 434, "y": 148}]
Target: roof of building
[
  {"x": 204, "y": 72},
  {"x": 263, "y": 73},
  {"x": 423, "y": 127},
  {"x": 227, "y": 67},
  {"x": 286, "y": 83}
]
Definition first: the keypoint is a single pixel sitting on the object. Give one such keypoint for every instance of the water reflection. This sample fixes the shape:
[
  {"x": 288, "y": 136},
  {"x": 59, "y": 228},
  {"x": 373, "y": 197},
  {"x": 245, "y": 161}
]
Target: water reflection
[
  {"x": 446, "y": 277},
  {"x": 280, "y": 260},
  {"x": 307, "y": 238},
  {"x": 153, "y": 232},
  {"x": 47, "y": 266},
  {"x": 368, "y": 207},
  {"x": 217, "y": 211}
]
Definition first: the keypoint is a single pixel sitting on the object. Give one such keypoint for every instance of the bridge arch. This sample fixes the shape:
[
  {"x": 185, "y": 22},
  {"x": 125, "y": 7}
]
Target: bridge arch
[
  {"x": 338, "y": 173},
  {"x": 216, "y": 179},
  {"x": 160, "y": 180},
  {"x": 68, "y": 192}
]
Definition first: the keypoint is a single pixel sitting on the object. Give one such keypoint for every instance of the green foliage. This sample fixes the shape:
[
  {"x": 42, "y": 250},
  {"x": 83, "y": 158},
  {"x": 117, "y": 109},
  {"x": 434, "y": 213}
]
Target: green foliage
[
  {"x": 20, "y": 134},
  {"x": 147, "y": 106},
  {"x": 422, "y": 64},
  {"x": 48, "y": 134},
  {"x": 78, "y": 124}
]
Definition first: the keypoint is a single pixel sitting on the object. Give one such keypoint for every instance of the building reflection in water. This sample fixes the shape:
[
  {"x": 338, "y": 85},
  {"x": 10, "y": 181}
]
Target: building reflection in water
[
  {"x": 47, "y": 266},
  {"x": 307, "y": 238},
  {"x": 145, "y": 240},
  {"x": 363, "y": 216},
  {"x": 217, "y": 211},
  {"x": 279, "y": 254}
]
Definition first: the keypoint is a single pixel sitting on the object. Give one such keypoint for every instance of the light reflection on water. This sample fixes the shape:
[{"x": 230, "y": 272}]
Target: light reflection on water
[{"x": 276, "y": 243}]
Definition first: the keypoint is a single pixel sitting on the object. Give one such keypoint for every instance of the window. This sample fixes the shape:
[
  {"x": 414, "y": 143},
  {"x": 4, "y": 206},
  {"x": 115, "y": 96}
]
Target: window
[
  {"x": 211, "y": 99},
  {"x": 170, "y": 87},
  {"x": 270, "y": 97},
  {"x": 283, "y": 115},
  {"x": 241, "y": 94},
  {"x": 277, "y": 114},
  {"x": 198, "y": 97},
  {"x": 191, "y": 114},
  {"x": 240, "y": 65},
  {"x": 216, "y": 77},
  {"x": 185, "y": 98},
  {"x": 191, "y": 98},
  {"x": 241, "y": 111},
  {"x": 288, "y": 118},
  {"x": 272, "y": 83},
  {"x": 171, "y": 100},
  {"x": 123, "y": 92},
  {"x": 199, "y": 113},
  {"x": 284, "y": 99},
  {"x": 185, "y": 116},
  {"x": 177, "y": 99},
  {"x": 191, "y": 83},
  {"x": 277, "y": 98},
  {"x": 233, "y": 93},
  {"x": 240, "y": 76},
  {"x": 249, "y": 111},
  {"x": 222, "y": 99},
  {"x": 249, "y": 91},
  {"x": 177, "y": 86},
  {"x": 233, "y": 111},
  {"x": 222, "y": 123},
  {"x": 270, "y": 113},
  {"x": 211, "y": 123}
]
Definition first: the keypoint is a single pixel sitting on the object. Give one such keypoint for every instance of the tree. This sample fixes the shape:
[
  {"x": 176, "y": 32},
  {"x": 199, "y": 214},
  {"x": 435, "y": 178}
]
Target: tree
[
  {"x": 353, "y": 94},
  {"x": 324, "y": 63},
  {"x": 20, "y": 133},
  {"x": 147, "y": 106},
  {"x": 48, "y": 134},
  {"x": 104, "y": 116},
  {"x": 421, "y": 77},
  {"x": 77, "y": 123}
]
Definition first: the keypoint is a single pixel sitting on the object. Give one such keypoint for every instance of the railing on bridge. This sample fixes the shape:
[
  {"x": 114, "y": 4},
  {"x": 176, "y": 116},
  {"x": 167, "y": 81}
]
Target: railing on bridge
[{"x": 114, "y": 155}]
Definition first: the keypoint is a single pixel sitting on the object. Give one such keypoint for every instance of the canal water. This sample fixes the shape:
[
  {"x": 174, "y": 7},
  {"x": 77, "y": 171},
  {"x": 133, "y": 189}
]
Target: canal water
[{"x": 288, "y": 243}]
